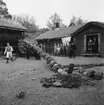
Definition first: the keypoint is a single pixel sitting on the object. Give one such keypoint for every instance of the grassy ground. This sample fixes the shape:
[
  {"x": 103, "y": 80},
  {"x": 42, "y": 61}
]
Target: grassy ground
[
  {"x": 24, "y": 75},
  {"x": 78, "y": 60}
]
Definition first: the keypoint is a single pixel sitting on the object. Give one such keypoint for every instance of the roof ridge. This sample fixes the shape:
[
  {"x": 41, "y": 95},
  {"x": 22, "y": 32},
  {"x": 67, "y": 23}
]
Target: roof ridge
[
  {"x": 61, "y": 32},
  {"x": 11, "y": 24}
]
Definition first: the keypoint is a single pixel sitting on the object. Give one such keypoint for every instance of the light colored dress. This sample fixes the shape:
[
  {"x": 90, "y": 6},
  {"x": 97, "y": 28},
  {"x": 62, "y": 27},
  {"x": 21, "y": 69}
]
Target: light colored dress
[{"x": 8, "y": 51}]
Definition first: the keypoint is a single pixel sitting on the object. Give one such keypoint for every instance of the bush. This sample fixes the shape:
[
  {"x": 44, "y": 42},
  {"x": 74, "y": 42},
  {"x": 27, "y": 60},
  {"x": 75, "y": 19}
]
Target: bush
[
  {"x": 71, "y": 81},
  {"x": 67, "y": 81},
  {"x": 98, "y": 76}
]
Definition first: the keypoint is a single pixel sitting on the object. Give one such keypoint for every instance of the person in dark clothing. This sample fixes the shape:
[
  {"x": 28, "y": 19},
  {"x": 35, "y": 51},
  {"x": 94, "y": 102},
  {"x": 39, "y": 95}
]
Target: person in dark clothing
[
  {"x": 70, "y": 50},
  {"x": 66, "y": 49},
  {"x": 62, "y": 50},
  {"x": 73, "y": 48},
  {"x": 28, "y": 51}
]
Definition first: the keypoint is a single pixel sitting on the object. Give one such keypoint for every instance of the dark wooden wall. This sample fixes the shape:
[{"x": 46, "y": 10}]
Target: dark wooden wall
[
  {"x": 49, "y": 44},
  {"x": 89, "y": 30},
  {"x": 11, "y": 36}
]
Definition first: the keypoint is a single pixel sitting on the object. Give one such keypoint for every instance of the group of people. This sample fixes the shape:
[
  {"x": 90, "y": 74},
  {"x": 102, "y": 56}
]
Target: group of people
[
  {"x": 60, "y": 50},
  {"x": 65, "y": 50}
]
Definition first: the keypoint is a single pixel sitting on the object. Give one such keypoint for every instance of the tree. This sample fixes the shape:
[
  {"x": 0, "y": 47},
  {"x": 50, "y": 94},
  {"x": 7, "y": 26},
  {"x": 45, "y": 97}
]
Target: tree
[
  {"x": 4, "y": 11},
  {"x": 72, "y": 21},
  {"x": 43, "y": 30},
  {"x": 26, "y": 21},
  {"x": 77, "y": 21},
  {"x": 54, "y": 21}
]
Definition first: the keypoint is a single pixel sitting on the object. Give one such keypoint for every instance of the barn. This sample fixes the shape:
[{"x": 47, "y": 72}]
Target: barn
[
  {"x": 10, "y": 32},
  {"x": 50, "y": 38},
  {"x": 90, "y": 39}
]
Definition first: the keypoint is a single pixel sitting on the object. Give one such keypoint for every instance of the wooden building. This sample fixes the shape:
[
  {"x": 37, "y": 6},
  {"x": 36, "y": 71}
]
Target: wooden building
[
  {"x": 50, "y": 38},
  {"x": 10, "y": 32},
  {"x": 90, "y": 39}
]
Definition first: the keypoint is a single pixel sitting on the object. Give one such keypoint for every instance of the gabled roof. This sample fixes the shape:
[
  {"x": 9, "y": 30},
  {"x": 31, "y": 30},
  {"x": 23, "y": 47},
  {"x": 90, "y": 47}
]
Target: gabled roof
[
  {"x": 9, "y": 24},
  {"x": 94, "y": 23},
  {"x": 58, "y": 33}
]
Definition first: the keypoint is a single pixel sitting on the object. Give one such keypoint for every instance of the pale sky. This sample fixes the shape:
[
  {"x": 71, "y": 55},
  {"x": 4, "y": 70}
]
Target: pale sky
[{"x": 43, "y": 9}]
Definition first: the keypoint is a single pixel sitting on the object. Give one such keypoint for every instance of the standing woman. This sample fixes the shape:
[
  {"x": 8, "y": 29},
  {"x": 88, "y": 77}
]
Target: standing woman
[
  {"x": 8, "y": 52},
  {"x": 55, "y": 49},
  {"x": 58, "y": 49},
  {"x": 90, "y": 45}
]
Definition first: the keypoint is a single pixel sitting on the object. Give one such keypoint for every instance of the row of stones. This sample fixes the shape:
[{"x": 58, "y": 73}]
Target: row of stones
[
  {"x": 56, "y": 67},
  {"x": 85, "y": 66}
]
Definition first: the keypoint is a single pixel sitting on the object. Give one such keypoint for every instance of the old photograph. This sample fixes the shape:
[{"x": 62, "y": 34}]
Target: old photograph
[{"x": 51, "y": 52}]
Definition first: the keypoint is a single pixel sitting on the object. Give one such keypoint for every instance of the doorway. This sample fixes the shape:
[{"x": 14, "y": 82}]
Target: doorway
[{"x": 92, "y": 43}]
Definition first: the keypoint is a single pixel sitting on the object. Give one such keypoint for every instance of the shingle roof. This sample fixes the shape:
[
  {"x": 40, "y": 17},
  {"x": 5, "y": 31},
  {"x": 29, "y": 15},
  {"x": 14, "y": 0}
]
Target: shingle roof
[
  {"x": 95, "y": 23},
  {"x": 58, "y": 33},
  {"x": 11, "y": 25}
]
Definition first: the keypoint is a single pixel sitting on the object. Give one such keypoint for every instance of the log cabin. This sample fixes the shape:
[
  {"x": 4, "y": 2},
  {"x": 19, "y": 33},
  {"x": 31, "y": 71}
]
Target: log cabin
[
  {"x": 90, "y": 39},
  {"x": 10, "y": 32}
]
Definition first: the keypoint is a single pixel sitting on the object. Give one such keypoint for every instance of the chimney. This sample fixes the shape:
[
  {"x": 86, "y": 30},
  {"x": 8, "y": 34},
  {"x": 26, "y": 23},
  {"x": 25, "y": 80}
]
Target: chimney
[{"x": 57, "y": 25}]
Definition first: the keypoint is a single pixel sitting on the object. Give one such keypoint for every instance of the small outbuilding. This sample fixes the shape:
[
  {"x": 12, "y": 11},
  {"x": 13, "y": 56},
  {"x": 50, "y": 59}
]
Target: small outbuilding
[
  {"x": 90, "y": 39},
  {"x": 10, "y": 32}
]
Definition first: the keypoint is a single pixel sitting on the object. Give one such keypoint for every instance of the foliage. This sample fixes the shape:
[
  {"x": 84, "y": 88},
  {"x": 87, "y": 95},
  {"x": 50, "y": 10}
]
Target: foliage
[
  {"x": 31, "y": 36},
  {"x": 4, "y": 10},
  {"x": 26, "y": 21},
  {"x": 67, "y": 81},
  {"x": 43, "y": 30},
  {"x": 77, "y": 21},
  {"x": 30, "y": 24},
  {"x": 21, "y": 95},
  {"x": 73, "y": 80},
  {"x": 27, "y": 50},
  {"x": 54, "y": 21},
  {"x": 93, "y": 74}
]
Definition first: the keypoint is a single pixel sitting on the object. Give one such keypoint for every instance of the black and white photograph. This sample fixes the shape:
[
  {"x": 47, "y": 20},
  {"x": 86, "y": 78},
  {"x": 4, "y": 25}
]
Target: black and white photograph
[{"x": 51, "y": 52}]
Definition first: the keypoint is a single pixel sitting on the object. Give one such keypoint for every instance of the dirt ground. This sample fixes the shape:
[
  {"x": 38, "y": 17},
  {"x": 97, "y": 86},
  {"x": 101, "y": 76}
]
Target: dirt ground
[
  {"x": 78, "y": 60},
  {"x": 24, "y": 75}
]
